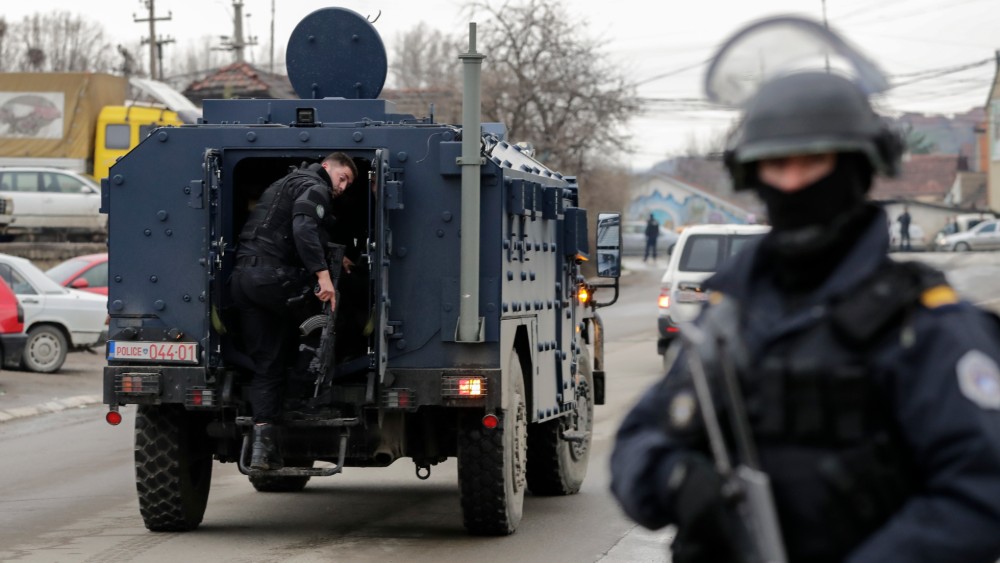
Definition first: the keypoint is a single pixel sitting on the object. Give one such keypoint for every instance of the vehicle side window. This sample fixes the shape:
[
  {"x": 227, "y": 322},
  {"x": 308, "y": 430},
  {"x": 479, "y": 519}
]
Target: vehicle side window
[
  {"x": 145, "y": 130},
  {"x": 701, "y": 254},
  {"x": 24, "y": 181},
  {"x": 116, "y": 136},
  {"x": 736, "y": 244},
  {"x": 97, "y": 276},
  {"x": 54, "y": 182},
  {"x": 16, "y": 281},
  {"x": 989, "y": 228}
]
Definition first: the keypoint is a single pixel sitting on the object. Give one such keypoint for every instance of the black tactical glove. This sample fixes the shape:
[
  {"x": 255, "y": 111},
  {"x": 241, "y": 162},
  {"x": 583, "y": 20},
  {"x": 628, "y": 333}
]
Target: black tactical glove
[{"x": 704, "y": 516}]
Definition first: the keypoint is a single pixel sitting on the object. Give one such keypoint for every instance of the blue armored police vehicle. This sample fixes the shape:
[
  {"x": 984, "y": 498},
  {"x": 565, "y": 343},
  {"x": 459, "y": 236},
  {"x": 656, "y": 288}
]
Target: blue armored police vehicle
[{"x": 472, "y": 335}]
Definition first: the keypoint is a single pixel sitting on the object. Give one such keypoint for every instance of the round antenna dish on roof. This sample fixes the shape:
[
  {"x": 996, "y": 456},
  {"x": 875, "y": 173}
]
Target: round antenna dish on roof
[{"x": 336, "y": 53}]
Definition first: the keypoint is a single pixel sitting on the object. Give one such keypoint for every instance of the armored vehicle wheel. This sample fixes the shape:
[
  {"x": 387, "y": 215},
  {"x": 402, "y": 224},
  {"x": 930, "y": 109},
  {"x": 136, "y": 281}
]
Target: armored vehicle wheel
[
  {"x": 173, "y": 468},
  {"x": 287, "y": 484},
  {"x": 557, "y": 466},
  {"x": 491, "y": 465},
  {"x": 45, "y": 350}
]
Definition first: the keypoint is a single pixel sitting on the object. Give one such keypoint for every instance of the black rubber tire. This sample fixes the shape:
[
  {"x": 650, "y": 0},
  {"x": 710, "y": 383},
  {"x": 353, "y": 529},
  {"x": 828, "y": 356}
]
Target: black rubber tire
[
  {"x": 491, "y": 465},
  {"x": 557, "y": 466},
  {"x": 45, "y": 350},
  {"x": 173, "y": 468},
  {"x": 287, "y": 484},
  {"x": 962, "y": 247}
]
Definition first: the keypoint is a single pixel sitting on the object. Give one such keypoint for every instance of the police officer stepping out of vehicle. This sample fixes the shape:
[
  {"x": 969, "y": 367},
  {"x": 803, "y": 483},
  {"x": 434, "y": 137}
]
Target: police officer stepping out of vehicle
[
  {"x": 871, "y": 392},
  {"x": 281, "y": 251}
]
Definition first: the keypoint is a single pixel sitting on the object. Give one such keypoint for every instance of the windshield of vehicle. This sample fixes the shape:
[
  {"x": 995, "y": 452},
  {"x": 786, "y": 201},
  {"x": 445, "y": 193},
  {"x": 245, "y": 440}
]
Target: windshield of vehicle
[{"x": 707, "y": 253}]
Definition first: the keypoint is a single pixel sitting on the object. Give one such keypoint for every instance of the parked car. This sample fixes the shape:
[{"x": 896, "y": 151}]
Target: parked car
[
  {"x": 56, "y": 319},
  {"x": 52, "y": 201},
  {"x": 918, "y": 239},
  {"x": 86, "y": 273},
  {"x": 984, "y": 236},
  {"x": 12, "y": 336},
  {"x": 699, "y": 252},
  {"x": 634, "y": 239},
  {"x": 960, "y": 224}
]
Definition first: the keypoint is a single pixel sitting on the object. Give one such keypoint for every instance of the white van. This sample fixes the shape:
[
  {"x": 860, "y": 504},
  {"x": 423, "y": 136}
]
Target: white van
[{"x": 699, "y": 252}]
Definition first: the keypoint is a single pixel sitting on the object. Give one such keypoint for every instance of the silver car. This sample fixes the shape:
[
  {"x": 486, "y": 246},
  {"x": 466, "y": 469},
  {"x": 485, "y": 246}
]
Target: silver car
[
  {"x": 984, "y": 236},
  {"x": 52, "y": 200}
]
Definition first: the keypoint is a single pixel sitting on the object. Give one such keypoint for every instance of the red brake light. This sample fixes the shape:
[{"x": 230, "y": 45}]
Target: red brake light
[
  {"x": 664, "y": 300},
  {"x": 114, "y": 418}
]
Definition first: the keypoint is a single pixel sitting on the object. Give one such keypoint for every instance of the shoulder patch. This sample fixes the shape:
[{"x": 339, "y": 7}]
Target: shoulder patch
[
  {"x": 979, "y": 379},
  {"x": 682, "y": 410},
  {"x": 320, "y": 211},
  {"x": 934, "y": 297}
]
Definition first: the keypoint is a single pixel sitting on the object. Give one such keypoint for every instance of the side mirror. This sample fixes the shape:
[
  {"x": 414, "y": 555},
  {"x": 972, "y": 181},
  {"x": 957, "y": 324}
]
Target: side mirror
[
  {"x": 609, "y": 245},
  {"x": 79, "y": 283}
]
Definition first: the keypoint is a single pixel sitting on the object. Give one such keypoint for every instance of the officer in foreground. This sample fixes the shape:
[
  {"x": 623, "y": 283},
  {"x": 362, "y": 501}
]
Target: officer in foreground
[
  {"x": 871, "y": 391},
  {"x": 282, "y": 249}
]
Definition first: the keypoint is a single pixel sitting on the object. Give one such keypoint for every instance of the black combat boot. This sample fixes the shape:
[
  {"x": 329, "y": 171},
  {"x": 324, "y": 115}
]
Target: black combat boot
[{"x": 264, "y": 453}]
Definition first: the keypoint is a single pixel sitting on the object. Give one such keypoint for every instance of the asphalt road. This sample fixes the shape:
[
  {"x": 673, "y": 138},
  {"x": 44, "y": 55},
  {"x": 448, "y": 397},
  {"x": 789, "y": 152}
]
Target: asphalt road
[
  {"x": 68, "y": 494},
  {"x": 68, "y": 491}
]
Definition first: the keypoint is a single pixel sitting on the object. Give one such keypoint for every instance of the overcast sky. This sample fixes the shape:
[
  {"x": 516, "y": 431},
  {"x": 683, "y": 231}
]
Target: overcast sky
[{"x": 660, "y": 45}]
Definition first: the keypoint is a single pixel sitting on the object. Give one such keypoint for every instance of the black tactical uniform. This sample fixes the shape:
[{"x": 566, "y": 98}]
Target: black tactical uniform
[
  {"x": 280, "y": 250},
  {"x": 873, "y": 393}
]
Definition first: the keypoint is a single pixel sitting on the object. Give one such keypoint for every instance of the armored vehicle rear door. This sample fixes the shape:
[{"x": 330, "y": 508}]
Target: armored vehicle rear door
[{"x": 385, "y": 199}]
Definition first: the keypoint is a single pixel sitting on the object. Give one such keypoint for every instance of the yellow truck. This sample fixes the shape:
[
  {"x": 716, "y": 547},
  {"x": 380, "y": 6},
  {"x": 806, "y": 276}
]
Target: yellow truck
[{"x": 81, "y": 121}]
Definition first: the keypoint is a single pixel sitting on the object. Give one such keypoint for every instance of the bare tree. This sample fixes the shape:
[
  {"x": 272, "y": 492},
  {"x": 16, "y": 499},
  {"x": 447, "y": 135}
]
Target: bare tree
[
  {"x": 425, "y": 58},
  {"x": 57, "y": 42},
  {"x": 425, "y": 70},
  {"x": 551, "y": 84}
]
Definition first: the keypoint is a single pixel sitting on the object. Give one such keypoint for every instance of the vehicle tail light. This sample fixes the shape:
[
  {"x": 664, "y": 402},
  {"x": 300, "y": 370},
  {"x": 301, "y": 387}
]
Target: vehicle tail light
[
  {"x": 664, "y": 300},
  {"x": 200, "y": 397},
  {"x": 397, "y": 398},
  {"x": 464, "y": 387},
  {"x": 137, "y": 384}
]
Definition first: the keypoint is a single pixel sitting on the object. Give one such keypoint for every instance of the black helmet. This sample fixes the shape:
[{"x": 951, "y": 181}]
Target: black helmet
[{"x": 809, "y": 113}]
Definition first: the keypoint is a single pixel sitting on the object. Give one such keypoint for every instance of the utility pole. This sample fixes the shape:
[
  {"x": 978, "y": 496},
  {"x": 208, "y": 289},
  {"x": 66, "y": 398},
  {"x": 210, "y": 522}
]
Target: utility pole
[
  {"x": 154, "y": 45},
  {"x": 237, "y": 44}
]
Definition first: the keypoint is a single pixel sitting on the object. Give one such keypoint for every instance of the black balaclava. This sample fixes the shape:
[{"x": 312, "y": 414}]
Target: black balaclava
[{"x": 813, "y": 228}]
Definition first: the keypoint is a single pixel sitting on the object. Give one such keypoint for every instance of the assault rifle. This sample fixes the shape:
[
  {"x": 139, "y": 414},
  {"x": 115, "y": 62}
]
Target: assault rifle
[
  {"x": 746, "y": 485},
  {"x": 322, "y": 365}
]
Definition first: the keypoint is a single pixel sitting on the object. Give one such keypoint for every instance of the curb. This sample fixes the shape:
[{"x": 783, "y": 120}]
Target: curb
[{"x": 79, "y": 401}]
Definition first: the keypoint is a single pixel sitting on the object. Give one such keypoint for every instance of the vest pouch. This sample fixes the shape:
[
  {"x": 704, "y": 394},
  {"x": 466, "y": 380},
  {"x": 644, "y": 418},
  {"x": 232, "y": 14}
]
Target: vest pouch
[
  {"x": 298, "y": 290},
  {"x": 868, "y": 484}
]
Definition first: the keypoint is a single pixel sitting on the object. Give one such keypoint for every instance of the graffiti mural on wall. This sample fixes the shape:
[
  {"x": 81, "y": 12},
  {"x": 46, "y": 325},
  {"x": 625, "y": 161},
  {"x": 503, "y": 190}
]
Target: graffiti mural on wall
[{"x": 687, "y": 209}]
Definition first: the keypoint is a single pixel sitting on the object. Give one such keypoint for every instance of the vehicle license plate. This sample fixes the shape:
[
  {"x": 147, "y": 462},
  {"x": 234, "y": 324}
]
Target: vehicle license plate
[
  {"x": 688, "y": 296},
  {"x": 176, "y": 352}
]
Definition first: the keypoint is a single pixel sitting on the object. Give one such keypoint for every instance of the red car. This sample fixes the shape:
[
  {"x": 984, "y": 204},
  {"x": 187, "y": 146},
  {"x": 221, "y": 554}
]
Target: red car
[
  {"x": 12, "y": 336},
  {"x": 89, "y": 273}
]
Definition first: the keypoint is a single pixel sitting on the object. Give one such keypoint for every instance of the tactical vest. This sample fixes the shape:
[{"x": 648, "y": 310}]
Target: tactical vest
[
  {"x": 824, "y": 427},
  {"x": 268, "y": 230}
]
